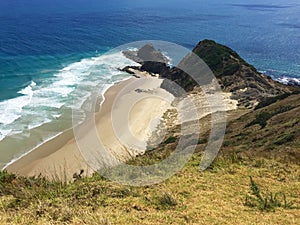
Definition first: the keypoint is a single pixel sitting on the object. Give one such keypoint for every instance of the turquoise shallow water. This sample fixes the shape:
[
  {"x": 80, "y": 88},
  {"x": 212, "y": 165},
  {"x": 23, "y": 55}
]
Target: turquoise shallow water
[{"x": 48, "y": 47}]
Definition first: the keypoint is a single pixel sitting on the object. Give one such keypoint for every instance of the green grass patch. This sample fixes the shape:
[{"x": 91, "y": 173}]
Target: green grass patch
[{"x": 165, "y": 201}]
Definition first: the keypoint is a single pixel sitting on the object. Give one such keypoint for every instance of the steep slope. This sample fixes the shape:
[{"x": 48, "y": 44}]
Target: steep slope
[
  {"x": 272, "y": 131},
  {"x": 236, "y": 75}
]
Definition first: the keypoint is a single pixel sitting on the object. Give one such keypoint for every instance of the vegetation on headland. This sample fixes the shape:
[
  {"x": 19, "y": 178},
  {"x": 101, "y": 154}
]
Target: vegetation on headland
[
  {"x": 221, "y": 59},
  {"x": 234, "y": 74}
]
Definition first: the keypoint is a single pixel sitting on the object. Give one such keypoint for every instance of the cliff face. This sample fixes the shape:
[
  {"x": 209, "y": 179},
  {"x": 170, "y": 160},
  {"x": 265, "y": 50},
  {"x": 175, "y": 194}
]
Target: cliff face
[{"x": 234, "y": 74}]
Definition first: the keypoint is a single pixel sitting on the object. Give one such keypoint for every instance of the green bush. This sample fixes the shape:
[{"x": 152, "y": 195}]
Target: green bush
[
  {"x": 5, "y": 177},
  {"x": 171, "y": 140},
  {"x": 231, "y": 69},
  {"x": 166, "y": 201},
  {"x": 271, "y": 100},
  {"x": 266, "y": 202},
  {"x": 227, "y": 83},
  {"x": 285, "y": 138},
  {"x": 263, "y": 117}
]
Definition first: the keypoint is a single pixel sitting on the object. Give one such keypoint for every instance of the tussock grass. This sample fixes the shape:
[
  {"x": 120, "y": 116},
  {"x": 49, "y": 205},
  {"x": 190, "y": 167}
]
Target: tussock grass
[
  {"x": 215, "y": 196},
  {"x": 267, "y": 202}
]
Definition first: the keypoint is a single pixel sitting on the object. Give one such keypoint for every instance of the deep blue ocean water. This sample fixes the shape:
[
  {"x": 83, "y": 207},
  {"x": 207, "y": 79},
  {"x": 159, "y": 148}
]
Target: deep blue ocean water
[{"x": 47, "y": 46}]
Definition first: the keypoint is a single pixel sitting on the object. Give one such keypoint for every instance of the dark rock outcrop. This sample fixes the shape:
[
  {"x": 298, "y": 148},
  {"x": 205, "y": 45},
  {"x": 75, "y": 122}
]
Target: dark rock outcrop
[
  {"x": 154, "y": 62},
  {"x": 155, "y": 67},
  {"x": 129, "y": 69},
  {"x": 146, "y": 54}
]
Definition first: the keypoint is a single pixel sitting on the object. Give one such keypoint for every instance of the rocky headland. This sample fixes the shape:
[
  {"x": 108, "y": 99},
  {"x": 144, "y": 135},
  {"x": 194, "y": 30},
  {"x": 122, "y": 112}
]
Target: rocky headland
[{"x": 233, "y": 73}]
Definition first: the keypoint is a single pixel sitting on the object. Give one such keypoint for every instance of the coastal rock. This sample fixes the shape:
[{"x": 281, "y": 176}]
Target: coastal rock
[
  {"x": 132, "y": 55},
  {"x": 146, "y": 54},
  {"x": 181, "y": 78},
  {"x": 155, "y": 67},
  {"x": 154, "y": 62},
  {"x": 149, "y": 54},
  {"x": 130, "y": 69},
  {"x": 293, "y": 83}
]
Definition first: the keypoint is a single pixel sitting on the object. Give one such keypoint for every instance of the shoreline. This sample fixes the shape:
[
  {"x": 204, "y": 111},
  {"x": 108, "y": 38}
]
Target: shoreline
[
  {"x": 62, "y": 131},
  {"x": 47, "y": 114},
  {"x": 60, "y": 158},
  {"x": 29, "y": 151}
]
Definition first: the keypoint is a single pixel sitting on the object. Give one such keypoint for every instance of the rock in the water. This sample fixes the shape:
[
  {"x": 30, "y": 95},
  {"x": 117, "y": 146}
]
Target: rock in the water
[
  {"x": 149, "y": 54},
  {"x": 146, "y": 54}
]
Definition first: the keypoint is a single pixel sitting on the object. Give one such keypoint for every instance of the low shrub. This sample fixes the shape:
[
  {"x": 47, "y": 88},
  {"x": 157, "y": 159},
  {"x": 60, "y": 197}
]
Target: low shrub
[{"x": 266, "y": 202}]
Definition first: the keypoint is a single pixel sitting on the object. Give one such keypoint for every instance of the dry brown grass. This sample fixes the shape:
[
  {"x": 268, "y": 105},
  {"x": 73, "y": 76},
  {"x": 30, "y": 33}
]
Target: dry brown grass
[{"x": 216, "y": 196}]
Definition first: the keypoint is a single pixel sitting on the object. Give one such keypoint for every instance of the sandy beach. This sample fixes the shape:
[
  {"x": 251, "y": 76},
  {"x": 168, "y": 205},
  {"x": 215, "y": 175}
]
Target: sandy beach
[
  {"x": 60, "y": 158},
  {"x": 129, "y": 116}
]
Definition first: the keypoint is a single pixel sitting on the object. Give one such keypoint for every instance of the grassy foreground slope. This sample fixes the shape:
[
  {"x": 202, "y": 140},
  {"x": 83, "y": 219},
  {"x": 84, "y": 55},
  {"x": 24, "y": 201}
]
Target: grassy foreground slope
[
  {"x": 216, "y": 196},
  {"x": 220, "y": 195},
  {"x": 223, "y": 194}
]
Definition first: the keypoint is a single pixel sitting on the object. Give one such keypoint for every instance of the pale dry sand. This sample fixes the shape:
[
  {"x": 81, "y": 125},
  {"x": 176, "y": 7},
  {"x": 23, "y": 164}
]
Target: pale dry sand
[{"x": 135, "y": 112}]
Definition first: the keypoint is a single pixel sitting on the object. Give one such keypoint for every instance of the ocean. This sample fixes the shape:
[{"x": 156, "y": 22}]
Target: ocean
[{"x": 48, "y": 47}]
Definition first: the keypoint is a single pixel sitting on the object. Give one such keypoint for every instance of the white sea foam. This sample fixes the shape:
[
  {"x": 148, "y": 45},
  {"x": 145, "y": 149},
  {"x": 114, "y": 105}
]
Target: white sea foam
[
  {"x": 11, "y": 109},
  {"x": 4, "y": 133},
  {"x": 43, "y": 103},
  {"x": 287, "y": 80},
  {"x": 38, "y": 123}
]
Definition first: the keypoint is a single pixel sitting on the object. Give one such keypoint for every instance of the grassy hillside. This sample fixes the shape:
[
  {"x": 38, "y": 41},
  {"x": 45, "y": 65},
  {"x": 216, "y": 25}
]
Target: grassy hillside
[
  {"x": 220, "y": 195},
  {"x": 272, "y": 131},
  {"x": 223, "y": 194}
]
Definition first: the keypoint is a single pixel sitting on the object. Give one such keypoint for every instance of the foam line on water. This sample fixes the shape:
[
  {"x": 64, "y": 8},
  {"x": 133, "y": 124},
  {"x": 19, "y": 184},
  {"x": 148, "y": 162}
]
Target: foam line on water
[
  {"x": 43, "y": 103},
  {"x": 288, "y": 80},
  {"x": 11, "y": 109}
]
